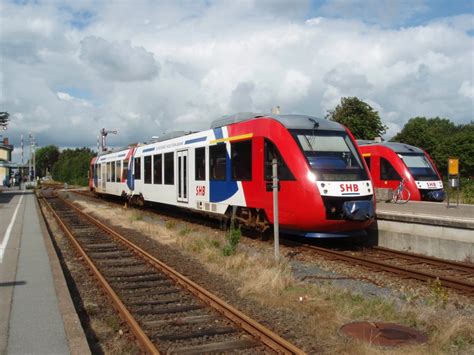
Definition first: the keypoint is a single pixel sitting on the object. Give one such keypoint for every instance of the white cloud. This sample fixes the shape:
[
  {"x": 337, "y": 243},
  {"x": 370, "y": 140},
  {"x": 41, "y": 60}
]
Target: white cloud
[
  {"x": 149, "y": 67},
  {"x": 118, "y": 61},
  {"x": 467, "y": 89}
]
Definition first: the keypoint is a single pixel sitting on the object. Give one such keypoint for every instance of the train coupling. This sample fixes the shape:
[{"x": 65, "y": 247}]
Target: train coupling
[{"x": 358, "y": 210}]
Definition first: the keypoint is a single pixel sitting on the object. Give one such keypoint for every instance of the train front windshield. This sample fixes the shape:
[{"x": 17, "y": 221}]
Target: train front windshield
[
  {"x": 331, "y": 155},
  {"x": 419, "y": 166}
]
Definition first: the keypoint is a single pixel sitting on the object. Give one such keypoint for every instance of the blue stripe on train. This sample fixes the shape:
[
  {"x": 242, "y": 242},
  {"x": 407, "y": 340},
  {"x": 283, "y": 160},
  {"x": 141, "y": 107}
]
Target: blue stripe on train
[{"x": 195, "y": 140}]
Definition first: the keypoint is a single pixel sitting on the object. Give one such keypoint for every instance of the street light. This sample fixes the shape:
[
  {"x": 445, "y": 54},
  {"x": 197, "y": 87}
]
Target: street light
[{"x": 32, "y": 159}]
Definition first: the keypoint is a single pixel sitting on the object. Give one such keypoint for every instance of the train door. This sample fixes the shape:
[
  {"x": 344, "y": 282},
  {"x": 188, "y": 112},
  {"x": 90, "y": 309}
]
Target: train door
[
  {"x": 104, "y": 175},
  {"x": 182, "y": 190}
]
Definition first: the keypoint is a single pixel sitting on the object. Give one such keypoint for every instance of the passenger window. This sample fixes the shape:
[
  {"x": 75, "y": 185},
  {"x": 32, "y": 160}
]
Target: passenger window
[
  {"x": 147, "y": 167},
  {"x": 218, "y": 162},
  {"x": 169, "y": 168},
  {"x": 117, "y": 171},
  {"x": 271, "y": 152},
  {"x": 157, "y": 169},
  {"x": 138, "y": 167},
  {"x": 241, "y": 161},
  {"x": 108, "y": 172},
  {"x": 200, "y": 164},
  {"x": 387, "y": 171},
  {"x": 112, "y": 170},
  {"x": 125, "y": 170},
  {"x": 367, "y": 161}
]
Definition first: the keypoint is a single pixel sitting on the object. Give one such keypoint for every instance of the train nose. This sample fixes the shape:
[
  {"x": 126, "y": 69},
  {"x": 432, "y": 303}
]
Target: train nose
[{"x": 358, "y": 210}]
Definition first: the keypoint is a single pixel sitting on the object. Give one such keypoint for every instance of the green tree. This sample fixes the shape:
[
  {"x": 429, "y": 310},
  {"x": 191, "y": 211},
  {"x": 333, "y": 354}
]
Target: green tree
[
  {"x": 442, "y": 139},
  {"x": 73, "y": 166},
  {"x": 45, "y": 159},
  {"x": 363, "y": 121}
]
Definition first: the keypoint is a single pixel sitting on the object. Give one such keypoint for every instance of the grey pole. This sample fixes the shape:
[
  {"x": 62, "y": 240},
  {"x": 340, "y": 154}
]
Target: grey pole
[
  {"x": 276, "y": 232},
  {"x": 30, "y": 159},
  {"x": 34, "y": 159}
]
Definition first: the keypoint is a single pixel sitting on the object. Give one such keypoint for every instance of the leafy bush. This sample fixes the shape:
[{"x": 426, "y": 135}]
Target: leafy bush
[
  {"x": 233, "y": 239},
  {"x": 466, "y": 193}
]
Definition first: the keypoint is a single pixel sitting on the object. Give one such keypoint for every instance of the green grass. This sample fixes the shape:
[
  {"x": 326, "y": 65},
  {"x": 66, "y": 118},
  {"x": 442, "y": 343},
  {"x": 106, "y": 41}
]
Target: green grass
[
  {"x": 136, "y": 216},
  {"x": 170, "y": 224},
  {"x": 185, "y": 231}
]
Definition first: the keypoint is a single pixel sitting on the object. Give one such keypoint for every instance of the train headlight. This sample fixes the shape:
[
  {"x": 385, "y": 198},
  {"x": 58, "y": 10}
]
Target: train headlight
[{"x": 311, "y": 176}]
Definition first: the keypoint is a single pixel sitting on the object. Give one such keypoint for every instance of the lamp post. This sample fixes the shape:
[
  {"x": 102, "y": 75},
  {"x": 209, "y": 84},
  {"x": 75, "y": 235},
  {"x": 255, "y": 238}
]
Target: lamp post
[{"x": 32, "y": 160}]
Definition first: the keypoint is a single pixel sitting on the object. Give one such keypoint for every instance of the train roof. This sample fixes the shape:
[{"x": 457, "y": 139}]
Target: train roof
[
  {"x": 291, "y": 121},
  {"x": 399, "y": 148}
]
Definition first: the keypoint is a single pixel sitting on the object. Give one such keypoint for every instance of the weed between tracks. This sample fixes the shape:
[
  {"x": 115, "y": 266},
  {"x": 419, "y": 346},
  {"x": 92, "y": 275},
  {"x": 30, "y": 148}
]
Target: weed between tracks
[{"x": 308, "y": 314}]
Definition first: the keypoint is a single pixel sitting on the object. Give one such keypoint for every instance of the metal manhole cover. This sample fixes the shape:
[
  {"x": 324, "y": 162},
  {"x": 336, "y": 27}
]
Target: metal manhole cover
[{"x": 383, "y": 334}]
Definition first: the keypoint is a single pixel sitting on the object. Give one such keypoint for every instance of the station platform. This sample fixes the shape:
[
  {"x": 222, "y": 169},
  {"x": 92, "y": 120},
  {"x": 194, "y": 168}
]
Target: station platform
[
  {"x": 429, "y": 228},
  {"x": 37, "y": 315}
]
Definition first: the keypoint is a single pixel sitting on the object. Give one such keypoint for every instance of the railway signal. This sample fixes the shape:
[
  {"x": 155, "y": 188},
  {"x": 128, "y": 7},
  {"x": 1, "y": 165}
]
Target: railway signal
[
  {"x": 453, "y": 178},
  {"x": 104, "y": 133}
]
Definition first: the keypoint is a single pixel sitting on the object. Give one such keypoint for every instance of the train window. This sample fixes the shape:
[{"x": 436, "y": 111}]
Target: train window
[
  {"x": 108, "y": 172},
  {"x": 387, "y": 171},
  {"x": 124, "y": 170},
  {"x": 218, "y": 162},
  {"x": 200, "y": 164},
  {"x": 157, "y": 169},
  {"x": 147, "y": 168},
  {"x": 169, "y": 168},
  {"x": 138, "y": 167},
  {"x": 112, "y": 171},
  {"x": 117, "y": 170},
  {"x": 241, "y": 161},
  {"x": 271, "y": 152},
  {"x": 367, "y": 161},
  {"x": 98, "y": 172}
]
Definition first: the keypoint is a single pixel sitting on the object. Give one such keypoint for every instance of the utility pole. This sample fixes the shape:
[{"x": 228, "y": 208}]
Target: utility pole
[
  {"x": 22, "y": 169},
  {"x": 30, "y": 136},
  {"x": 32, "y": 160},
  {"x": 276, "y": 228}
]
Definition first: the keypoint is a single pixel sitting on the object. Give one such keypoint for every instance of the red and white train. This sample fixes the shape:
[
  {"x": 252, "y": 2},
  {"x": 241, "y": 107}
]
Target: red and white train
[
  {"x": 324, "y": 187},
  {"x": 389, "y": 162}
]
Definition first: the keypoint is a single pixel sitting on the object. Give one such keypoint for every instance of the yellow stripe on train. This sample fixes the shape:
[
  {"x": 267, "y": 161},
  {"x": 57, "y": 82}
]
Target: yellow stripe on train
[{"x": 233, "y": 138}]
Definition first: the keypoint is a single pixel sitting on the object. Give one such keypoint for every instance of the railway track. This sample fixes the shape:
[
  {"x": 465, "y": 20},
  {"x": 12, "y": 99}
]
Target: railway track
[
  {"x": 454, "y": 275},
  {"x": 167, "y": 312}
]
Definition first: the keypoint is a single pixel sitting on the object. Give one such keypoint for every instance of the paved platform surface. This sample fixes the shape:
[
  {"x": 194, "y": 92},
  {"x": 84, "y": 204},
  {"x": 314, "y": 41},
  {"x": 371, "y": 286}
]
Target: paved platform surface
[
  {"x": 31, "y": 318},
  {"x": 461, "y": 216}
]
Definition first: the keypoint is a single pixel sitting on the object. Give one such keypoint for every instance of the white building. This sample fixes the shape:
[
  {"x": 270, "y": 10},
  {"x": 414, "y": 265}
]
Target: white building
[{"x": 5, "y": 160}]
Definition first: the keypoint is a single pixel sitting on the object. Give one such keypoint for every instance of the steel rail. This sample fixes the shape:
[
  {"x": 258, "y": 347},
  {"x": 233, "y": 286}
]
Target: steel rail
[
  {"x": 265, "y": 335},
  {"x": 414, "y": 274},
  {"x": 467, "y": 267},
  {"x": 419, "y": 275},
  {"x": 142, "y": 338}
]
